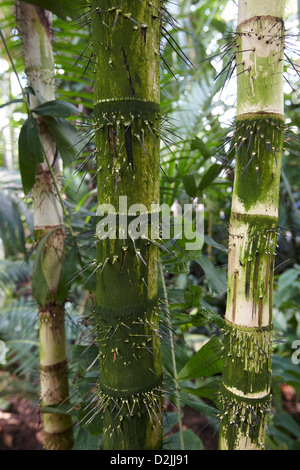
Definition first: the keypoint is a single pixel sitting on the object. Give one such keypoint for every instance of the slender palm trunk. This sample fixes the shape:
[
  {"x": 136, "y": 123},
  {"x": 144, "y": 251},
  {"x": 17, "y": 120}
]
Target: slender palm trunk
[
  {"x": 258, "y": 137},
  {"x": 126, "y": 39},
  {"x": 35, "y": 29}
]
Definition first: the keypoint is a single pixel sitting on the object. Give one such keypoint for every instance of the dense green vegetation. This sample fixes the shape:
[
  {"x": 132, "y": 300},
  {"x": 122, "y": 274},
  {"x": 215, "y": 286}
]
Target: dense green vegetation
[{"x": 193, "y": 136}]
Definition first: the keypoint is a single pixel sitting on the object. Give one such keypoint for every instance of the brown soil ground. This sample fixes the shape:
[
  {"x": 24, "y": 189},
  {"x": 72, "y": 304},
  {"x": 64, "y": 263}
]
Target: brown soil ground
[{"x": 21, "y": 426}]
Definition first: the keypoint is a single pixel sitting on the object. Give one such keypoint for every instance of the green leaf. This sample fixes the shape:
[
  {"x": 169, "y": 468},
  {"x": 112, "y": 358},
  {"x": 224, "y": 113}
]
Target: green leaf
[
  {"x": 202, "y": 407},
  {"x": 284, "y": 370},
  {"x": 285, "y": 421},
  {"x": 181, "y": 356},
  {"x": 65, "y": 136},
  {"x": 190, "y": 441},
  {"x": 219, "y": 25},
  {"x": 217, "y": 277},
  {"x": 209, "y": 176},
  {"x": 17, "y": 100},
  {"x": 85, "y": 440},
  {"x": 180, "y": 262},
  {"x": 198, "y": 144},
  {"x": 62, "y": 8},
  {"x": 190, "y": 186},
  {"x": 30, "y": 153},
  {"x": 40, "y": 288},
  {"x": 210, "y": 241},
  {"x": 192, "y": 296},
  {"x": 68, "y": 268},
  {"x": 56, "y": 108},
  {"x": 11, "y": 225},
  {"x": 205, "y": 362},
  {"x": 5, "y": 404},
  {"x": 29, "y": 90},
  {"x": 208, "y": 388},
  {"x": 170, "y": 419},
  {"x": 205, "y": 316},
  {"x": 85, "y": 357}
]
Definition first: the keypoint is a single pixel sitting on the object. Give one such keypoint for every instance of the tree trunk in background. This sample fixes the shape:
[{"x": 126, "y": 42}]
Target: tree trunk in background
[
  {"x": 35, "y": 26},
  {"x": 127, "y": 114},
  {"x": 245, "y": 396}
]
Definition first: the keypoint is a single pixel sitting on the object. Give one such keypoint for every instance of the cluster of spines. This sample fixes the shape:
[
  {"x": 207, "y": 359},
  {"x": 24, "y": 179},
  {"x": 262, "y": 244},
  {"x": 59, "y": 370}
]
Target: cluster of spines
[
  {"x": 160, "y": 13},
  {"x": 109, "y": 322},
  {"x": 121, "y": 129},
  {"x": 247, "y": 415},
  {"x": 258, "y": 350},
  {"x": 126, "y": 407},
  {"x": 126, "y": 403},
  {"x": 233, "y": 49},
  {"x": 248, "y": 350},
  {"x": 261, "y": 242},
  {"x": 234, "y": 139},
  {"x": 243, "y": 137}
]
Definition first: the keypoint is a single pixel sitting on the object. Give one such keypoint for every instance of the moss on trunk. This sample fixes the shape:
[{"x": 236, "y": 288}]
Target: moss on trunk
[
  {"x": 246, "y": 388},
  {"x": 127, "y": 116}
]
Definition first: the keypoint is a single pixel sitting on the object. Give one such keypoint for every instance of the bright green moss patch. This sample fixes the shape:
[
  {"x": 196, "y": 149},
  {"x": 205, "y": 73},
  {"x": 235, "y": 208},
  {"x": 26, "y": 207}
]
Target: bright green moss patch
[
  {"x": 260, "y": 237},
  {"x": 247, "y": 368},
  {"x": 243, "y": 421},
  {"x": 127, "y": 338},
  {"x": 126, "y": 49},
  {"x": 259, "y": 138},
  {"x": 260, "y": 44}
]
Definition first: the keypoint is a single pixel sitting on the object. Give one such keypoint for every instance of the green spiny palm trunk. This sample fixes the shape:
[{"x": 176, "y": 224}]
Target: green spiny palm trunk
[
  {"x": 258, "y": 137},
  {"x": 36, "y": 33},
  {"x": 126, "y": 38}
]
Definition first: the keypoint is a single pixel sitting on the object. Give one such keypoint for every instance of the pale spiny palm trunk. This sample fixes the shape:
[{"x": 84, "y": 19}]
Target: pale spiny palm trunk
[
  {"x": 258, "y": 135},
  {"x": 126, "y": 38},
  {"x": 35, "y": 28}
]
